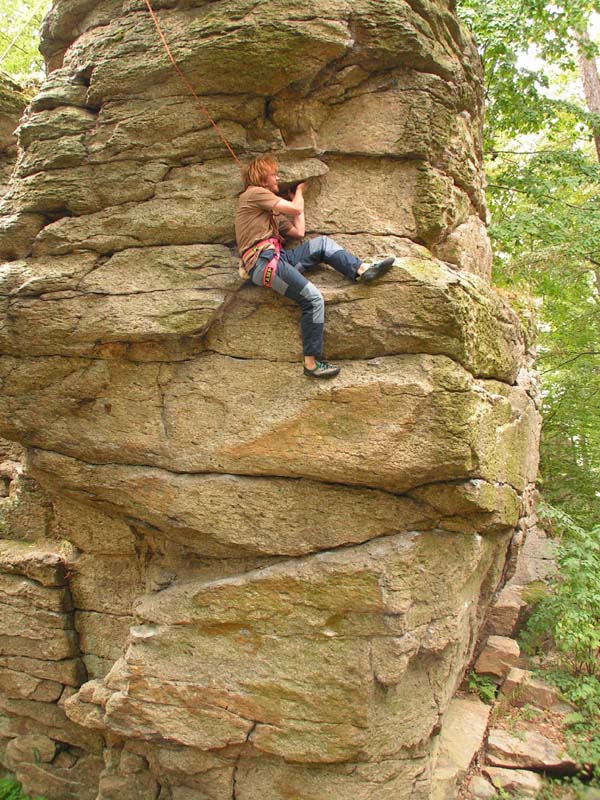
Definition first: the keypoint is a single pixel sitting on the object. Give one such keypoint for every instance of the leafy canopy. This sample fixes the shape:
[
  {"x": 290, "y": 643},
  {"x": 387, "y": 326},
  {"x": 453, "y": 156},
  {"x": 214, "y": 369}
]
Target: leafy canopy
[
  {"x": 505, "y": 31},
  {"x": 544, "y": 199},
  {"x": 20, "y": 21}
]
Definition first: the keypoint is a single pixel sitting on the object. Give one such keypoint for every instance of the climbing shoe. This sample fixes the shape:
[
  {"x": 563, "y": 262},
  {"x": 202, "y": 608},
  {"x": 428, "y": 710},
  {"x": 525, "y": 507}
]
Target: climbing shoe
[
  {"x": 376, "y": 270},
  {"x": 322, "y": 370}
]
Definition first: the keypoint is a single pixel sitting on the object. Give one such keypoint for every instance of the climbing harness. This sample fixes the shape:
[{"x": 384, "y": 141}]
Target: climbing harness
[
  {"x": 189, "y": 86},
  {"x": 249, "y": 256}
]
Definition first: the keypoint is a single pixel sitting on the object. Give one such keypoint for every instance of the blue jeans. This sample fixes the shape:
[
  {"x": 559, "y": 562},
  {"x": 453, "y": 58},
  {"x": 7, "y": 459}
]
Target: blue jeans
[{"x": 290, "y": 281}]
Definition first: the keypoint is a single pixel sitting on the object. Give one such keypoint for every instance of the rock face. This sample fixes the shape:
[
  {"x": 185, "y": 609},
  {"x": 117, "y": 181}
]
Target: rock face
[
  {"x": 219, "y": 579},
  {"x": 12, "y": 105}
]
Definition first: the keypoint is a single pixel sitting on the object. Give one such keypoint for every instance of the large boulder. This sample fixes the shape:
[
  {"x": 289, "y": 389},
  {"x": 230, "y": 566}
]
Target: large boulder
[{"x": 218, "y": 578}]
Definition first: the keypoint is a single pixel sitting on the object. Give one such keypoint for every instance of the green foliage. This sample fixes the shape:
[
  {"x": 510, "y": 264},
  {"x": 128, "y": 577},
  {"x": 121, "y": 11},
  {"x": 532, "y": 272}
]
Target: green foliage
[
  {"x": 566, "y": 624},
  {"x": 544, "y": 199},
  {"x": 516, "y": 94},
  {"x": 498, "y": 29},
  {"x": 20, "y": 22},
  {"x": 583, "y": 691},
  {"x": 568, "y": 619},
  {"x": 482, "y": 685},
  {"x": 11, "y": 790},
  {"x": 569, "y": 788},
  {"x": 546, "y": 231}
]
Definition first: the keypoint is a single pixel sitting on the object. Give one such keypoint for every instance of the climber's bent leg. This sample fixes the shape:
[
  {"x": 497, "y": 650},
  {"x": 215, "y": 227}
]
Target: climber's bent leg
[
  {"x": 323, "y": 250},
  {"x": 289, "y": 281}
]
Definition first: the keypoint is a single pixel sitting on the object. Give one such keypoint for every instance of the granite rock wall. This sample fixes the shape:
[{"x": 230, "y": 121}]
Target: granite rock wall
[{"x": 219, "y": 579}]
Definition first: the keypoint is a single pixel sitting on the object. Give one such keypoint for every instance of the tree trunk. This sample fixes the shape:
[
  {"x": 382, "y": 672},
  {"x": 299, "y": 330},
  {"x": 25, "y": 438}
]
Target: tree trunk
[{"x": 591, "y": 86}]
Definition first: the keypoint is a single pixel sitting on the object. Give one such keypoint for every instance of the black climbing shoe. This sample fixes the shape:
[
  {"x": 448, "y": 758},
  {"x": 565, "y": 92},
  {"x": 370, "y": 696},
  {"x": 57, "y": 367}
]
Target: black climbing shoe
[
  {"x": 376, "y": 270},
  {"x": 322, "y": 370}
]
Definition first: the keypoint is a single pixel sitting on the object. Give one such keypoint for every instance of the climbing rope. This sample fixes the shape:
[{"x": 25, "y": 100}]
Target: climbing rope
[{"x": 189, "y": 86}]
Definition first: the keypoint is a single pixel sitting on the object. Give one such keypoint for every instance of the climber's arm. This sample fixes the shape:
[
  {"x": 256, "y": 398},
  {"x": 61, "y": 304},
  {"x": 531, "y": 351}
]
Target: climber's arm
[
  {"x": 298, "y": 228},
  {"x": 291, "y": 208},
  {"x": 295, "y": 209}
]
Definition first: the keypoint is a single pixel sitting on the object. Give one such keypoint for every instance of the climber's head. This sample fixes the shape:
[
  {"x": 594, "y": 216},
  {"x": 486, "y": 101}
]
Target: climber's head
[{"x": 261, "y": 172}]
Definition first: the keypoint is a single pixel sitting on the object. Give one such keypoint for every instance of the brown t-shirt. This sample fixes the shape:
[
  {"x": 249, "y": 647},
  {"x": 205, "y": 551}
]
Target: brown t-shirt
[{"x": 254, "y": 217}]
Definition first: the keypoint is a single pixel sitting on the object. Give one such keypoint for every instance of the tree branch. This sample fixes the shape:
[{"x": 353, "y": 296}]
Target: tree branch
[
  {"x": 571, "y": 360},
  {"x": 547, "y": 196}
]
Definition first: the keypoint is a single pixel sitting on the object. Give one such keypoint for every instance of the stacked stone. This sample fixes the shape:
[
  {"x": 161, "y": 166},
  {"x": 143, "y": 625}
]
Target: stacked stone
[
  {"x": 276, "y": 583},
  {"x": 39, "y": 668}
]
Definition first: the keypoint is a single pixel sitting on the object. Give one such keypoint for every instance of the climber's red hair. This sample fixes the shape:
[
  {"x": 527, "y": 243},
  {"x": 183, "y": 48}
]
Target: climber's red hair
[{"x": 257, "y": 171}]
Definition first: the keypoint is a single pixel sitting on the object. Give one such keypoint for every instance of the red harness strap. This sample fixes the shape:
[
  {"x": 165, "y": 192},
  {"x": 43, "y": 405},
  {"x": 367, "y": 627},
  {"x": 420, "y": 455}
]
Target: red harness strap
[
  {"x": 272, "y": 243},
  {"x": 270, "y": 269}
]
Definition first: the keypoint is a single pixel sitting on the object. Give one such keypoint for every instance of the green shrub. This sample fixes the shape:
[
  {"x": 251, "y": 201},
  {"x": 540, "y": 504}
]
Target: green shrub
[
  {"x": 11, "y": 790},
  {"x": 565, "y": 630},
  {"x": 482, "y": 685},
  {"x": 568, "y": 619}
]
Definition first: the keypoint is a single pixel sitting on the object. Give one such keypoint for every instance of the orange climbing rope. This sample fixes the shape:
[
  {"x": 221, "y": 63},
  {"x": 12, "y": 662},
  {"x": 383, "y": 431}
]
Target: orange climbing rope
[{"x": 189, "y": 86}]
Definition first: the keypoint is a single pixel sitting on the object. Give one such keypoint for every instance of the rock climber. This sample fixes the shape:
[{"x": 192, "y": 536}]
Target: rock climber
[{"x": 263, "y": 221}]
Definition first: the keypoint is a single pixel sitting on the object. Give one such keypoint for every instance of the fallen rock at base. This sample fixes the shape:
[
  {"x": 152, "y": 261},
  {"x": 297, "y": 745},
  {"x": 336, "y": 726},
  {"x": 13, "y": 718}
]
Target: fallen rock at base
[
  {"x": 498, "y": 656},
  {"x": 521, "y": 688},
  {"x": 506, "y": 612},
  {"x": 463, "y": 733},
  {"x": 480, "y": 789},
  {"x": 520, "y": 781},
  {"x": 529, "y": 749}
]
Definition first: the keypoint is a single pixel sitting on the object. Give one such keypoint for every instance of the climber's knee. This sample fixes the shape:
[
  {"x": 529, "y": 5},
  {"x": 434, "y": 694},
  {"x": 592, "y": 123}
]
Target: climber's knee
[
  {"x": 322, "y": 247},
  {"x": 312, "y": 300}
]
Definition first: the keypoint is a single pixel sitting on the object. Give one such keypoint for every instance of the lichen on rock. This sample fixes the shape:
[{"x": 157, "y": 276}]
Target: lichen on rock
[{"x": 254, "y": 584}]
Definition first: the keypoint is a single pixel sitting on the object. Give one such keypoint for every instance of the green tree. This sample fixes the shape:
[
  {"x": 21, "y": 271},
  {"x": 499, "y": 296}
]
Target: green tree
[
  {"x": 544, "y": 198},
  {"x": 515, "y": 92},
  {"x": 20, "y": 21},
  {"x": 546, "y": 230}
]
